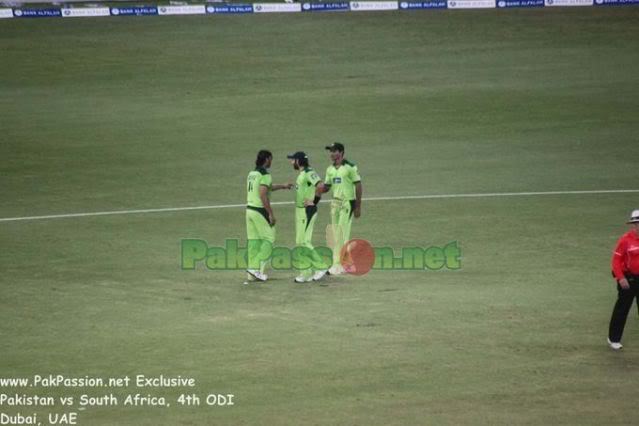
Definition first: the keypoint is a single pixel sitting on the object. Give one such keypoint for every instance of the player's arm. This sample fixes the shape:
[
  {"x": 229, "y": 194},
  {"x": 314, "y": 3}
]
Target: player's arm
[
  {"x": 321, "y": 188},
  {"x": 281, "y": 186},
  {"x": 267, "y": 203},
  {"x": 618, "y": 258},
  {"x": 324, "y": 187},
  {"x": 359, "y": 190},
  {"x": 318, "y": 195},
  {"x": 314, "y": 180}
]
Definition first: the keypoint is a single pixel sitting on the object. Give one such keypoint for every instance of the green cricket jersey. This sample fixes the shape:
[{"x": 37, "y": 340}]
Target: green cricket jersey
[
  {"x": 305, "y": 186},
  {"x": 342, "y": 180},
  {"x": 259, "y": 176}
]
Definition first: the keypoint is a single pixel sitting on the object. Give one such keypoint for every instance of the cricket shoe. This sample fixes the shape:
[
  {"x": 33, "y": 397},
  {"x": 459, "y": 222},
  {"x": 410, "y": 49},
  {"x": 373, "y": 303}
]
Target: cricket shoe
[
  {"x": 302, "y": 279},
  {"x": 615, "y": 346},
  {"x": 336, "y": 270},
  {"x": 257, "y": 274},
  {"x": 318, "y": 275}
]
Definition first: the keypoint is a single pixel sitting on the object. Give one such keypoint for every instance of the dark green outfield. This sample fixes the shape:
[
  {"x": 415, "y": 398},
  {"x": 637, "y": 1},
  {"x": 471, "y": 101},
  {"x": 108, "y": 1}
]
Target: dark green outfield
[{"x": 132, "y": 113}]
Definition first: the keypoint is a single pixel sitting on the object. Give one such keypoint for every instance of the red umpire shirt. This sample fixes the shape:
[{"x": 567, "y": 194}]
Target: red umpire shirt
[{"x": 625, "y": 260}]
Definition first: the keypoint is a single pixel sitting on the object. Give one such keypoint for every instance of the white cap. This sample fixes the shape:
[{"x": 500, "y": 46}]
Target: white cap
[{"x": 634, "y": 217}]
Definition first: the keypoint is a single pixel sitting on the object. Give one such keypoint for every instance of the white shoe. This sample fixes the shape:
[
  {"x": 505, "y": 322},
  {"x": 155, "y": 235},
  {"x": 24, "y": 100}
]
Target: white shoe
[
  {"x": 257, "y": 274},
  {"x": 319, "y": 275},
  {"x": 303, "y": 279},
  {"x": 336, "y": 270},
  {"x": 615, "y": 346}
]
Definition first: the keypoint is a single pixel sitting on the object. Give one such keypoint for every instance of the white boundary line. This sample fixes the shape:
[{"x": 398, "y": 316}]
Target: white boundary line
[{"x": 402, "y": 197}]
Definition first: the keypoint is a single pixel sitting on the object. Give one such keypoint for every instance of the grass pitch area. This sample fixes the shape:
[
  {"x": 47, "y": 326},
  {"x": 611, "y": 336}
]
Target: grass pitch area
[{"x": 113, "y": 114}]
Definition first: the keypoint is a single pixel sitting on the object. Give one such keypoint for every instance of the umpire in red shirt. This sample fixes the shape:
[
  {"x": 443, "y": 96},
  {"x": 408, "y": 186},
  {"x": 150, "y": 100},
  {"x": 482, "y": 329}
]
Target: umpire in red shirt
[{"x": 625, "y": 268}]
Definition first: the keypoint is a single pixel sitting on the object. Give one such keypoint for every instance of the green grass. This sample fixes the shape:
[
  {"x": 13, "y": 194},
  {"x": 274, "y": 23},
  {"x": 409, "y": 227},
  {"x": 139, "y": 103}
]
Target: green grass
[{"x": 130, "y": 113}]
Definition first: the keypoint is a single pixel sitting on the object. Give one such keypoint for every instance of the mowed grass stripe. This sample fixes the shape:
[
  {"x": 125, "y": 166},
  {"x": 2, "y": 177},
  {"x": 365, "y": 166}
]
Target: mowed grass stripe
[{"x": 390, "y": 198}]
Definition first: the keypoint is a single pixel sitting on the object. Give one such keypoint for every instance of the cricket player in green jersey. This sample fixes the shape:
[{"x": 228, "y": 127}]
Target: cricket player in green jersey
[
  {"x": 305, "y": 216},
  {"x": 260, "y": 220},
  {"x": 342, "y": 177}
]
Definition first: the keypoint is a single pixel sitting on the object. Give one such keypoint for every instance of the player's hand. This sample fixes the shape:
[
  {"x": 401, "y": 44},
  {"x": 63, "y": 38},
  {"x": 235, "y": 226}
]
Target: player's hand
[
  {"x": 289, "y": 185},
  {"x": 308, "y": 203},
  {"x": 271, "y": 219},
  {"x": 358, "y": 212},
  {"x": 623, "y": 283}
]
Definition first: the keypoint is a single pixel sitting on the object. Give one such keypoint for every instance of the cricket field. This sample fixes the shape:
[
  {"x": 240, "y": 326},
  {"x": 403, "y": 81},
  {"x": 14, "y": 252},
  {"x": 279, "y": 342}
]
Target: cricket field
[{"x": 119, "y": 114}]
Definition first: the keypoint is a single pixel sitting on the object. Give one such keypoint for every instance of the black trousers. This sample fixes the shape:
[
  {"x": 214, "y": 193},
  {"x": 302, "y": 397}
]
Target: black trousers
[{"x": 625, "y": 297}]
